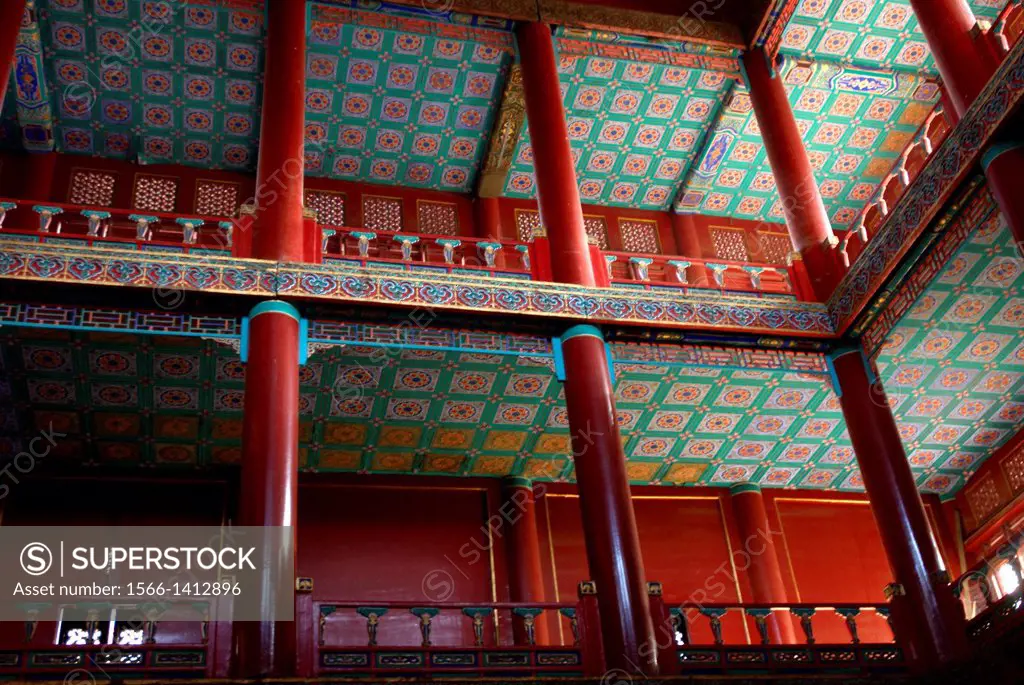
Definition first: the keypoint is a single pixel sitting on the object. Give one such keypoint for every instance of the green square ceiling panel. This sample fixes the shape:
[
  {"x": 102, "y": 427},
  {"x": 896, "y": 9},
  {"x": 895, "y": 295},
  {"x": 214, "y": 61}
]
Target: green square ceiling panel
[
  {"x": 854, "y": 123},
  {"x": 156, "y": 81},
  {"x": 634, "y": 127},
  {"x": 878, "y": 34},
  {"x": 401, "y": 102}
]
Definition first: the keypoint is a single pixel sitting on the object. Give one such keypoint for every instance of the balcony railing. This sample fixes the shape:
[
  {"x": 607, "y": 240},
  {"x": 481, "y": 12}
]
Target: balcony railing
[
  {"x": 412, "y": 251},
  {"x": 544, "y": 639},
  {"x": 653, "y": 271},
  {"x": 53, "y": 223},
  {"x": 909, "y": 164},
  {"x": 168, "y": 640},
  {"x": 718, "y": 638},
  {"x": 388, "y": 639},
  {"x": 1009, "y": 26}
]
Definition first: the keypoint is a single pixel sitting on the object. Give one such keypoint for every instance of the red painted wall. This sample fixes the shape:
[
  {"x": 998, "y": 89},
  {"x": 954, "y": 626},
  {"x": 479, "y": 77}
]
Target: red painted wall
[
  {"x": 685, "y": 538},
  {"x": 830, "y": 551},
  {"x": 369, "y": 539},
  {"x": 401, "y": 543}
]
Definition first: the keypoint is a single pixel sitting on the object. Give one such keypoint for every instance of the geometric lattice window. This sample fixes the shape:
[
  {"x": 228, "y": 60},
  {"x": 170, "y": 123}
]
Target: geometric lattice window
[
  {"x": 730, "y": 243},
  {"x": 216, "y": 198},
  {"x": 1013, "y": 467},
  {"x": 775, "y": 247},
  {"x": 983, "y": 498},
  {"x": 92, "y": 188},
  {"x": 155, "y": 193},
  {"x": 639, "y": 235},
  {"x": 382, "y": 213},
  {"x": 329, "y": 206},
  {"x": 528, "y": 225},
  {"x": 597, "y": 230},
  {"x": 437, "y": 218}
]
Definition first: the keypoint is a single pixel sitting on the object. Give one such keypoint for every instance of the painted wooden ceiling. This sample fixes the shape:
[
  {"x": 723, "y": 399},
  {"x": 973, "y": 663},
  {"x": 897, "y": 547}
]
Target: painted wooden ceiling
[
  {"x": 400, "y": 96},
  {"x": 954, "y": 368}
]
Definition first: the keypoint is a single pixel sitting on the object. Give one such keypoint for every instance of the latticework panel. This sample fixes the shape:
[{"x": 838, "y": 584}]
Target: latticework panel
[
  {"x": 216, "y": 198},
  {"x": 528, "y": 224},
  {"x": 93, "y": 188},
  {"x": 983, "y": 498},
  {"x": 155, "y": 193},
  {"x": 382, "y": 213},
  {"x": 597, "y": 229},
  {"x": 440, "y": 218},
  {"x": 730, "y": 243},
  {"x": 1013, "y": 467},
  {"x": 775, "y": 247},
  {"x": 639, "y": 236},
  {"x": 329, "y": 206}
]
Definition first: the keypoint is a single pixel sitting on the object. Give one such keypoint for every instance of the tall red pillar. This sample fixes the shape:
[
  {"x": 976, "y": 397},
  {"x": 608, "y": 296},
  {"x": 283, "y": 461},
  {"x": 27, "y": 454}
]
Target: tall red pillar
[
  {"x": 951, "y": 30},
  {"x": 270, "y": 433},
  {"x": 11, "y": 13},
  {"x": 609, "y": 524},
  {"x": 1004, "y": 169},
  {"x": 806, "y": 217},
  {"x": 270, "y": 466},
  {"x": 558, "y": 196},
  {"x": 277, "y": 228},
  {"x": 929, "y": 623},
  {"x": 764, "y": 571},
  {"x": 487, "y": 218},
  {"x": 966, "y": 65},
  {"x": 684, "y": 230},
  {"x": 37, "y": 176},
  {"x": 525, "y": 575}
]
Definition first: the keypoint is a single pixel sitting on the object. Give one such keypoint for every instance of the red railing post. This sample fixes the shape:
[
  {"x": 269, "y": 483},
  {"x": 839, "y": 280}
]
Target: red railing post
[
  {"x": 305, "y": 664},
  {"x": 589, "y": 625},
  {"x": 664, "y": 633}
]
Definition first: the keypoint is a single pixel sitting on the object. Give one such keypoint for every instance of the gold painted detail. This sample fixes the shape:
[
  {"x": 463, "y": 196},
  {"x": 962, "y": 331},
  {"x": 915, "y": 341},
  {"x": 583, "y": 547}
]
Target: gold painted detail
[{"x": 508, "y": 125}]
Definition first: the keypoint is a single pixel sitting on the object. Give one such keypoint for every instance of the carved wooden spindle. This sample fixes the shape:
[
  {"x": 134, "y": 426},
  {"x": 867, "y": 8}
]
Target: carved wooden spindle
[
  {"x": 31, "y": 623},
  {"x": 680, "y": 626},
  {"x": 715, "y": 618},
  {"x": 478, "y": 614},
  {"x": 570, "y": 613},
  {"x": 425, "y": 615},
  {"x": 850, "y": 615},
  {"x": 760, "y": 617},
  {"x": 372, "y": 616},
  {"x": 325, "y": 611},
  {"x": 805, "y": 616},
  {"x": 887, "y": 615},
  {"x": 529, "y": 616},
  {"x": 149, "y": 625}
]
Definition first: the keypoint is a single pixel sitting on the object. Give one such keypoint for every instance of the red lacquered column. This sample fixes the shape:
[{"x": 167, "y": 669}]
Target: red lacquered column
[
  {"x": 609, "y": 524},
  {"x": 37, "y": 176},
  {"x": 270, "y": 460},
  {"x": 764, "y": 572},
  {"x": 684, "y": 229},
  {"x": 966, "y": 65},
  {"x": 488, "y": 218},
  {"x": 525, "y": 577},
  {"x": 932, "y": 630},
  {"x": 1004, "y": 169},
  {"x": 557, "y": 193},
  {"x": 806, "y": 217},
  {"x": 950, "y": 28},
  {"x": 277, "y": 229},
  {"x": 11, "y": 13}
]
